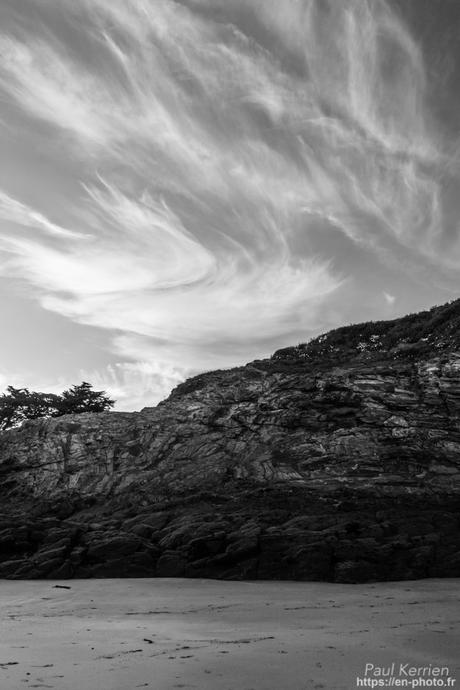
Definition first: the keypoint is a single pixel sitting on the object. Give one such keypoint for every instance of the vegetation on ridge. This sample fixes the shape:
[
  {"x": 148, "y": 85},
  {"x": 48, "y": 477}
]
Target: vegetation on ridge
[
  {"x": 409, "y": 336},
  {"x": 19, "y": 404}
]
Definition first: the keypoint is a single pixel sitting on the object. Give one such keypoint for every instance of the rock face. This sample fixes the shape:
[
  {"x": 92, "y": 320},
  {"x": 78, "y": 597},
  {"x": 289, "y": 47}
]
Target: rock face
[{"x": 329, "y": 461}]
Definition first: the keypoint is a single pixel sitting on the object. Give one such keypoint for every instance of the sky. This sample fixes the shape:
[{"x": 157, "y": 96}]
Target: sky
[{"x": 192, "y": 184}]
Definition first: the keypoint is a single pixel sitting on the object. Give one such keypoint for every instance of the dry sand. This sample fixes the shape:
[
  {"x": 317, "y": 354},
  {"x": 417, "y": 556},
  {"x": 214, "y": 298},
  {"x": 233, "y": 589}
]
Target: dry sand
[{"x": 210, "y": 635}]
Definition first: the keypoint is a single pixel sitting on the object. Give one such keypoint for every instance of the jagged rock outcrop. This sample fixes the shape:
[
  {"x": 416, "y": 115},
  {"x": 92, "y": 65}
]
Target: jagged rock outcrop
[{"x": 339, "y": 460}]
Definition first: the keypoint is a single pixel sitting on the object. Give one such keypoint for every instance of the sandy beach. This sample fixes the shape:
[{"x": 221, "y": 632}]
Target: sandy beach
[{"x": 212, "y": 635}]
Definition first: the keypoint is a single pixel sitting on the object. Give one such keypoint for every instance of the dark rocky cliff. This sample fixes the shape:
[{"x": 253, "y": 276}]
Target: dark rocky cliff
[{"x": 336, "y": 460}]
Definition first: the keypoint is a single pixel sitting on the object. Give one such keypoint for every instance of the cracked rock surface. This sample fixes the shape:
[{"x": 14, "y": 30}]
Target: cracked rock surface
[{"x": 343, "y": 468}]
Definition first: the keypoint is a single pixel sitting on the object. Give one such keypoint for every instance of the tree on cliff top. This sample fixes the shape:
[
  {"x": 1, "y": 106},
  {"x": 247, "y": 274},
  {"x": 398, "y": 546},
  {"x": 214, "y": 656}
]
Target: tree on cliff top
[
  {"x": 19, "y": 404},
  {"x": 82, "y": 398}
]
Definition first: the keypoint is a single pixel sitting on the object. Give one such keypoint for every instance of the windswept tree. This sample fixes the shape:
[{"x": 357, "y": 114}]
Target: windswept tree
[
  {"x": 19, "y": 404},
  {"x": 82, "y": 398}
]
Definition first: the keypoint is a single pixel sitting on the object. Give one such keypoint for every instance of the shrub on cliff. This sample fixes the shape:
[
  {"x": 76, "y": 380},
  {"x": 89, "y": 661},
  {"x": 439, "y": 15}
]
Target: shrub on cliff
[{"x": 19, "y": 404}]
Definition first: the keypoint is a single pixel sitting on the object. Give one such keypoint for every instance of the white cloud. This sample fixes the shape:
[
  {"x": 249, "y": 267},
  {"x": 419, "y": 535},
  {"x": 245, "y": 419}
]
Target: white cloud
[
  {"x": 389, "y": 298},
  {"x": 218, "y": 152},
  {"x": 42, "y": 79},
  {"x": 136, "y": 385},
  {"x": 13, "y": 211}
]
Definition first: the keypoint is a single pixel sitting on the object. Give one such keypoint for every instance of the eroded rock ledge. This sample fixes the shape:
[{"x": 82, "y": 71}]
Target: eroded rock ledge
[{"x": 280, "y": 469}]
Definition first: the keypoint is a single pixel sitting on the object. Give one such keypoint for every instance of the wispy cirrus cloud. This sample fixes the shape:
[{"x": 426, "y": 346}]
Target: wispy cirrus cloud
[
  {"x": 135, "y": 385},
  {"x": 40, "y": 78},
  {"x": 13, "y": 211},
  {"x": 215, "y": 141}
]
